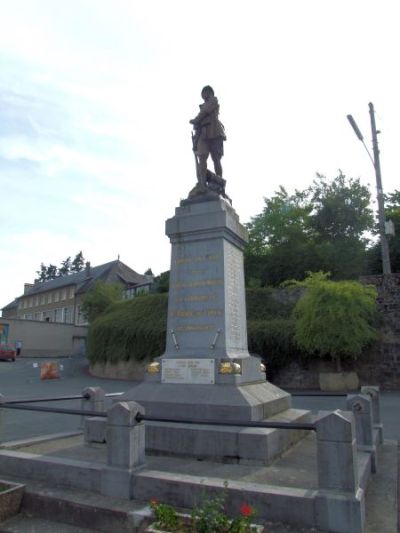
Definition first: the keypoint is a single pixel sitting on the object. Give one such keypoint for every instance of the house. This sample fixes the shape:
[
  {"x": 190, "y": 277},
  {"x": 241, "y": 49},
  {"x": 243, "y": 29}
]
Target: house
[
  {"x": 59, "y": 300},
  {"x": 47, "y": 319}
]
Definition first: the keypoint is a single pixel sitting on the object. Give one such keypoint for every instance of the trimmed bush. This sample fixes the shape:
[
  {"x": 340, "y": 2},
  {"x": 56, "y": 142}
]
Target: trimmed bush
[
  {"x": 133, "y": 329},
  {"x": 273, "y": 341},
  {"x": 136, "y": 329}
]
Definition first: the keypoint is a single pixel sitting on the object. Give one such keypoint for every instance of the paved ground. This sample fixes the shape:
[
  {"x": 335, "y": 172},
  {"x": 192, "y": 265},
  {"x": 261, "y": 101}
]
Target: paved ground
[{"x": 22, "y": 380}]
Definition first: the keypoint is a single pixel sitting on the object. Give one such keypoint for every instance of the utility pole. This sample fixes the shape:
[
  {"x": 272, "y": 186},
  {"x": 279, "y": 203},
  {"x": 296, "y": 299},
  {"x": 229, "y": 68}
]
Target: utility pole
[
  {"x": 377, "y": 166},
  {"x": 379, "y": 190}
]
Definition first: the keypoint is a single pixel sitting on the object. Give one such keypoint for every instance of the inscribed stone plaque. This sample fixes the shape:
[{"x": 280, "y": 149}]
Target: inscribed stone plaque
[{"x": 195, "y": 371}]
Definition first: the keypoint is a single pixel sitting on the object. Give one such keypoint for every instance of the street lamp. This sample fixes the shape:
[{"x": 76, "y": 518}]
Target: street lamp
[{"x": 379, "y": 194}]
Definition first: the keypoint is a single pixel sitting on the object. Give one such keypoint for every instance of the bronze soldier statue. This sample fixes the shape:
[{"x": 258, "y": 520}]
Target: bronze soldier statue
[{"x": 208, "y": 138}]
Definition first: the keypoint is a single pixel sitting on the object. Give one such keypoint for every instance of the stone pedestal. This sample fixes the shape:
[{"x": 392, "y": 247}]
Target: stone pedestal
[{"x": 206, "y": 371}]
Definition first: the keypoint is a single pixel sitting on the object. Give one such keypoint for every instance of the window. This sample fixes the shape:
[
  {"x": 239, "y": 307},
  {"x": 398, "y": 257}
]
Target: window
[
  {"x": 36, "y": 301},
  {"x": 56, "y": 296},
  {"x": 67, "y": 315},
  {"x": 58, "y": 315},
  {"x": 64, "y": 294},
  {"x": 71, "y": 292},
  {"x": 80, "y": 319},
  {"x": 25, "y": 304},
  {"x": 43, "y": 299},
  {"x": 49, "y": 298},
  {"x": 30, "y": 304}
]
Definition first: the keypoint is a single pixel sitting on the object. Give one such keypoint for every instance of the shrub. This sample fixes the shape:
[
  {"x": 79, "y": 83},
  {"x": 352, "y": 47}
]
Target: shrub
[
  {"x": 133, "y": 329},
  {"x": 136, "y": 329},
  {"x": 99, "y": 298},
  {"x": 335, "y": 318}
]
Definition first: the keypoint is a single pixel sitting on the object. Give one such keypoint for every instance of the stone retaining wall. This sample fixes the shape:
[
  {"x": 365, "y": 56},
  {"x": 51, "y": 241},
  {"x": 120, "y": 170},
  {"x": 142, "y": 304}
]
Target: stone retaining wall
[
  {"x": 379, "y": 365},
  {"x": 129, "y": 370}
]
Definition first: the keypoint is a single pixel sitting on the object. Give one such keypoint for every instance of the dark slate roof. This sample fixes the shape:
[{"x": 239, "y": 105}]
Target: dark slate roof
[
  {"x": 11, "y": 305},
  {"x": 115, "y": 271}
]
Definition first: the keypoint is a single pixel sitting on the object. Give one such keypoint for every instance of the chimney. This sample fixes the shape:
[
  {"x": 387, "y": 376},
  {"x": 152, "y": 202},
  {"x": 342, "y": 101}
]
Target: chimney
[
  {"x": 87, "y": 269},
  {"x": 28, "y": 287}
]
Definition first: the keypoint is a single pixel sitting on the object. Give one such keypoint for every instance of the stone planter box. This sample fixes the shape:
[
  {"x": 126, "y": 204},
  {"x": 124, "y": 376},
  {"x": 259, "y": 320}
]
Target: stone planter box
[
  {"x": 10, "y": 499},
  {"x": 186, "y": 522},
  {"x": 338, "y": 381}
]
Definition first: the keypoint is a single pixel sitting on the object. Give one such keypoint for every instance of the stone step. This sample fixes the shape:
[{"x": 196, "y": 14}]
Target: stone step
[
  {"x": 23, "y": 523},
  {"x": 78, "y": 510}
]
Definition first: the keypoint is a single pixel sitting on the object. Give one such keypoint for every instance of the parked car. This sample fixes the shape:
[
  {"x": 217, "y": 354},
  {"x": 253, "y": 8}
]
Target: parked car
[{"x": 8, "y": 352}]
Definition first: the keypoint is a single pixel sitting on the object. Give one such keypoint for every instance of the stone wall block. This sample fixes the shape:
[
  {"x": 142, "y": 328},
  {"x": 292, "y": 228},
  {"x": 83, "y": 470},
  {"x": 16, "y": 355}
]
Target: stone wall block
[
  {"x": 339, "y": 513},
  {"x": 337, "y": 452},
  {"x": 361, "y": 407},
  {"x": 337, "y": 426},
  {"x": 125, "y": 436}
]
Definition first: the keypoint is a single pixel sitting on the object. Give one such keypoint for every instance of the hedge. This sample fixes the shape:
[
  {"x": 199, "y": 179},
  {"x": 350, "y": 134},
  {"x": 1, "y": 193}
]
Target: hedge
[{"x": 136, "y": 329}]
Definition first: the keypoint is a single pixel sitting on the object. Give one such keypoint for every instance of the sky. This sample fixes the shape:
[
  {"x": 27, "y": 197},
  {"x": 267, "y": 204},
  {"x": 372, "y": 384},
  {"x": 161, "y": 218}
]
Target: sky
[{"x": 96, "y": 98}]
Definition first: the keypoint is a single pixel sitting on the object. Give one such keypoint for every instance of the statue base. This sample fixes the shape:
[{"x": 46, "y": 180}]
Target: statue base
[{"x": 206, "y": 372}]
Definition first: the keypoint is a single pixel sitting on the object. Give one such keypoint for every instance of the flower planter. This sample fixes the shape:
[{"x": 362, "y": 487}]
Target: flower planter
[
  {"x": 10, "y": 499},
  {"x": 187, "y": 527}
]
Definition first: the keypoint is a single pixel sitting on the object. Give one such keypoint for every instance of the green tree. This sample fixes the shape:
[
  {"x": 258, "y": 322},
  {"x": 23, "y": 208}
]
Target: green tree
[
  {"x": 65, "y": 267},
  {"x": 321, "y": 228},
  {"x": 51, "y": 272},
  {"x": 374, "y": 257},
  {"x": 99, "y": 298},
  {"x": 78, "y": 262},
  {"x": 281, "y": 243},
  {"x": 335, "y": 318},
  {"x": 41, "y": 273},
  {"x": 341, "y": 208},
  {"x": 161, "y": 282}
]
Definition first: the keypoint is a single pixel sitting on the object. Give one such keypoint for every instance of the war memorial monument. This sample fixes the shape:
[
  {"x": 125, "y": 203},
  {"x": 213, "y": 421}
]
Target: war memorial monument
[
  {"x": 206, "y": 372},
  {"x": 205, "y": 419}
]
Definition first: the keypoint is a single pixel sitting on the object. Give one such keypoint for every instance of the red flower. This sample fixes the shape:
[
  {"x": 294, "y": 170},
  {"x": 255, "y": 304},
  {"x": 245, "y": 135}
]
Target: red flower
[
  {"x": 246, "y": 510},
  {"x": 153, "y": 501}
]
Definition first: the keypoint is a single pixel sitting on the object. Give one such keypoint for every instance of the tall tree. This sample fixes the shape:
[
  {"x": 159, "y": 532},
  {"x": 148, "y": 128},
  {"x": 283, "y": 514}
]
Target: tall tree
[
  {"x": 99, "y": 298},
  {"x": 65, "y": 267},
  {"x": 341, "y": 208},
  {"x": 78, "y": 263},
  {"x": 374, "y": 257},
  {"x": 41, "y": 273},
  {"x": 321, "y": 228},
  {"x": 51, "y": 272}
]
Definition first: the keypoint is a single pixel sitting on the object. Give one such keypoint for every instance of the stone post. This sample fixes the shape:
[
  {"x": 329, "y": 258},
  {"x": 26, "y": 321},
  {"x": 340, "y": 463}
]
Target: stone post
[
  {"x": 125, "y": 449},
  {"x": 361, "y": 407},
  {"x": 374, "y": 393},
  {"x": 340, "y": 504},
  {"x": 95, "y": 400}
]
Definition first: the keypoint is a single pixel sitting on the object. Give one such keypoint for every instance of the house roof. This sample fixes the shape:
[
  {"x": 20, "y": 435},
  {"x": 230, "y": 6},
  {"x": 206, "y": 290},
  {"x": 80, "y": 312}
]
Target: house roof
[
  {"x": 114, "y": 271},
  {"x": 11, "y": 305}
]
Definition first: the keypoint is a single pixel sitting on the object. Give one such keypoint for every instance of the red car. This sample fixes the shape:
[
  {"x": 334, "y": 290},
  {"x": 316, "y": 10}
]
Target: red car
[{"x": 8, "y": 352}]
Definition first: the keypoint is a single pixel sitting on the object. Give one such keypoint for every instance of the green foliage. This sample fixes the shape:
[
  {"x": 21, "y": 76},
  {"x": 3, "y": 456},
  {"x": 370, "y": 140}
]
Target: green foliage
[
  {"x": 166, "y": 516},
  {"x": 132, "y": 329},
  {"x": 78, "y": 262},
  {"x": 341, "y": 208},
  {"x": 209, "y": 517},
  {"x": 284, "y": 219},
  {"x": 273, "y": 340},
  {"x": 136, "y": 329},
  {"x": 48, "y": 272},
  {"x": 320, "y": 228},
  {"x": 161, "y": 282},
  {"x": 99, "y": 298},
  {"x": 335, "y": 319},
  {"x": 374, "y": 257}
]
